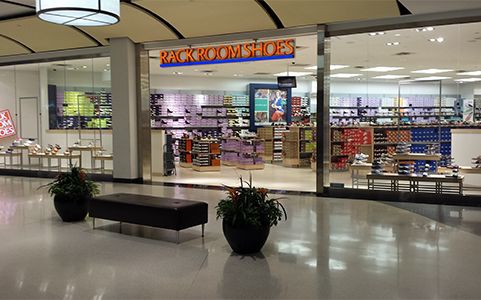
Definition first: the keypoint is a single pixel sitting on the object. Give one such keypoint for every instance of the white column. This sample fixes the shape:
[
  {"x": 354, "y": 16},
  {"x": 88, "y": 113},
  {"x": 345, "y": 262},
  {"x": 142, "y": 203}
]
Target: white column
[{"x": 124, "y": 109}]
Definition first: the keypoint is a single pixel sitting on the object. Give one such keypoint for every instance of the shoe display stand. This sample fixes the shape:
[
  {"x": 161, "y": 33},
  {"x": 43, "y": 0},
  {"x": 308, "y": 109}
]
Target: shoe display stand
[
  {"x": 347, "y": 142},
  {"x": 300, "y": 108},
  {"x": 250, "y": 154},
  {"x": 206, "y": 155},
  {"x": 298, "y": 144},
  {"x": 272, "y": 136},
  {"x": 185, "y": 152},
  {"x": 230, "y": 151},
  {"x": 59, "y": 157}
]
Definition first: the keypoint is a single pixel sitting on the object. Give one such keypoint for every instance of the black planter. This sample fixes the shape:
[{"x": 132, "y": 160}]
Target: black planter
[
  {"x": 71, "y": 208},
  {"x": 245, "y": 240}
]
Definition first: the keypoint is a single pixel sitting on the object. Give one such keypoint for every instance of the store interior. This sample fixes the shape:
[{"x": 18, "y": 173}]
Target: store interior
[{"x": 414, "y": 92}]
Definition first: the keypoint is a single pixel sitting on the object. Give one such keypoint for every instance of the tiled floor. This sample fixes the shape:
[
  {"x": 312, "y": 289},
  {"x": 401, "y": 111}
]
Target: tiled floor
[{"x": 328, "y": 248}]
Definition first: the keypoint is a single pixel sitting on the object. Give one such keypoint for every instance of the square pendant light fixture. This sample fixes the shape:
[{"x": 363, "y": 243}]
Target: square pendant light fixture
[{"x": 79, "y": 13}]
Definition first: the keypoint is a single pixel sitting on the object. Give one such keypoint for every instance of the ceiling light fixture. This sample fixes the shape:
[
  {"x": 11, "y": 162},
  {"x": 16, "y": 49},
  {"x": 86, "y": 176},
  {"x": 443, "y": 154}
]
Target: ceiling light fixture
[
  {"x": 392, "y": 43},
  {"x": 177, "y": 73},
  {"x": 431, "y": 78},
  {"x": 377, "y": 33},
  {"x": 439, "y": 40},
  {"x": 432, "y": 71},
  {"x": 382, "y": 69},
  {"x": 424, "y": 29},
  {"x": 345, "y": 75},
  {"x": 79, "y": 13},
  {"x": 391, "y": 77},
  {"x": 472, "y": 73},
  {"x": 468, "y": 80}
]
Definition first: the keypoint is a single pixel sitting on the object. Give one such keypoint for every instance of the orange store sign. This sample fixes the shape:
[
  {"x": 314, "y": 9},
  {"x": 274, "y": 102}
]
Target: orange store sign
[
  {"x": 252, "y": 51},
  {"x": 6, "y": 124}
]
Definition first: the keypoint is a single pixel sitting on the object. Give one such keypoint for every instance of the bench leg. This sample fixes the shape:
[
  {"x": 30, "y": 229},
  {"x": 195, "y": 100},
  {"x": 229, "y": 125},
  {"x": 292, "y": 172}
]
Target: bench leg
[
  {"x": 203, "y": 228},
  {"x": 178, "y": 235}
]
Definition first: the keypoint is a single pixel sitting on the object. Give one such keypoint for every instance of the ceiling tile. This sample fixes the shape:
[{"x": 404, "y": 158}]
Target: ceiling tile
[{"x": 11, "y": 48}]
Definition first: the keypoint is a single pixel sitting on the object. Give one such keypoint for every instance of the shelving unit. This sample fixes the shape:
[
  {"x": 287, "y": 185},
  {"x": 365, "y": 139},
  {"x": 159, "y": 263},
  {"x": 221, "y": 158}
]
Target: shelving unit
[
  {"x": 206, "y": 155},
  {"x": 272, "y": 137},
  {"x": 298, "y": 146},
  {"x": 346, "y": 142},
  {"x": 300, "y": 108},
  {"x": 185, "y": 152},
  {"x": 250, "y": 154},
  {"x": 230, "y": 151}
]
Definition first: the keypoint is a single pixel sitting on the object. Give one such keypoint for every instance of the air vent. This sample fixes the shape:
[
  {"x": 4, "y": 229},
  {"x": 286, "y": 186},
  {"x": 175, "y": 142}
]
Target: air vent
[
  {"x": 62, "y": 65},
  {"x": 262, "y": 73},
  {"x": 403, "y": 53},
  {"x": 359, "y": 67},
  {"x": 207, "y": 71},
  {"x": 301, "y": 65}
]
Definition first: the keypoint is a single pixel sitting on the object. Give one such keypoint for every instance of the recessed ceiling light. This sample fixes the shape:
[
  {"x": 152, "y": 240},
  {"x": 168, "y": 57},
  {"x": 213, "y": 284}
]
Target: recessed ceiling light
[
  {"x": 432, "y": 71},
  {"x": 177, "y": 73},
  {"x": 397, "y": 34},
  {"x": 468, "y": 80},
  {"x": 432, "y": 78},
  {"x": 391, "y": 77},
  {"x": 107, "y": 65},
  {"x": 392, "y": 43},
  {"x": 382, "y": 69},
  {"x": 345, "y": 75},
  {"x": 238, "y": 75},
  {"x": 472, "y": 73},
  {"x": 196, "y": 70},
  {"x": 337, "y": 67},
  {"x": 84, "y": 67},
  {"x": 377, "y": 33},
  {"x": 106, "y": 70},
  {"x": 293, "y": 74},
  {"x": 439, "y": 39},
  {"x": 424, "y": 29}
]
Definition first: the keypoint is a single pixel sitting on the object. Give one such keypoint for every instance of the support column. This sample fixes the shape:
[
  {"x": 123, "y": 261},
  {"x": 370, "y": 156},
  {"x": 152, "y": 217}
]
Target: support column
[
  {"x": 124, "y": 110},
  {"x": 322, "y": 119}
]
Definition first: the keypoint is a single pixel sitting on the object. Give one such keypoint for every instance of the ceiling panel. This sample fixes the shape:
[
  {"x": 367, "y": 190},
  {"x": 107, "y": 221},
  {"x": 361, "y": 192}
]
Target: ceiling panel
[
  {"x": 430, "y": 6},
  {"x": 209, "y": 17},
  {"x": 44, "y": 36},
  {"x": 9, "y": 47},
  {"x": 306, "y": 12},
  {"x": 9, "y": 10},
  {"x": 138, "y": 26}
]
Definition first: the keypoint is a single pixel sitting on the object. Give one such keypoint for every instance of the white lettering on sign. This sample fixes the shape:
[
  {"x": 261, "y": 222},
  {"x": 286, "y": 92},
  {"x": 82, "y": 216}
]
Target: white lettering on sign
[{"x": 7, "y": 128}]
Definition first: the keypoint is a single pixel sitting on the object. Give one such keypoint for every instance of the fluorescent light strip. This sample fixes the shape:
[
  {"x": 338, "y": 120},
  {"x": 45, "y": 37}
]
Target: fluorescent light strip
[
  {"x": 382, "y": 69},
  {"x": 391, "y": 77},
  {"x": 345, "y": 75},
  {"x": 472, "y": 73},
  {"x": 468, "y": 80},
  {"x": 432, "y": 71},
  {"x": 432, "y": 78}
]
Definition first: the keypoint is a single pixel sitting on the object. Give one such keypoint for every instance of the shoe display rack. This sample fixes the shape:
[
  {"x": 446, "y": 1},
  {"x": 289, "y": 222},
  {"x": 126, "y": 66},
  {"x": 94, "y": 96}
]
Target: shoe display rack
[
  {"x": 300, "y": 108},
  {"x": 82, "y": 109},
  {"x": 250, "y": 154},
  {"x": 272, "y": 137},
  {"x": 206, "y": 155},
  {"x": 230, "y": 151},
  {"x": 298, "y": 145},
  {"x": 346, "y": 143},
  {"x": 185, "y": 151}
]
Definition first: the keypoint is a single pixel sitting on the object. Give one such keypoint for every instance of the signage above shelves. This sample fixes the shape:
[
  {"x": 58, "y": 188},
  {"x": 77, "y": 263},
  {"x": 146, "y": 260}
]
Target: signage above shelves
[{"x": 266, "y": 50}]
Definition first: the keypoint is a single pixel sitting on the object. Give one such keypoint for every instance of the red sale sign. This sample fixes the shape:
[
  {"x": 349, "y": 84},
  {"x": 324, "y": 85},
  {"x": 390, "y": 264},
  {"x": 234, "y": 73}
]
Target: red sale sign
[{"x": 6, "y": 124}]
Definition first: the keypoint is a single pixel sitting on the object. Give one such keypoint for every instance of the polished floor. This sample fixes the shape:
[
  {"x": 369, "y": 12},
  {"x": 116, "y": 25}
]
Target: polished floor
[{"x": 328, "y": 248}]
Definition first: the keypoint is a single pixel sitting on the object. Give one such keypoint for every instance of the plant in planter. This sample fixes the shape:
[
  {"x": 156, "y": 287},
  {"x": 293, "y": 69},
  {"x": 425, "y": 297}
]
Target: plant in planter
[
  {"x": 72, "y": 192},
  {"x": 247, "y": 216}
]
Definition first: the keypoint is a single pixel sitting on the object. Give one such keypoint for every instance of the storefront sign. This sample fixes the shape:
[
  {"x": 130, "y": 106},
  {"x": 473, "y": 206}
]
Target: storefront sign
[
  {"x": 6, "y": 124},
  {"x": 278, "y": 49}
]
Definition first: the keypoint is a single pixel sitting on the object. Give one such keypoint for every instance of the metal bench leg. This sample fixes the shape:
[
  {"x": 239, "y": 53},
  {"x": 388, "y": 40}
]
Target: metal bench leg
[{"x": 203, "y": 228}]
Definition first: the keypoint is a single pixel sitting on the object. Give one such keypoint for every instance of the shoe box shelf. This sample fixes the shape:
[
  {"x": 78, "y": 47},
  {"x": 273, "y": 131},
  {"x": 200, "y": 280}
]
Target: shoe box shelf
[
  {"x": 206, "y": 155},
  {"x": 300, "y": 108},
  {"x": 346, "y": 142},
  {"x": 224, "y": 113},
  {"x": 272, "y": 136},
  {"x": 185, "y": 152},
  {"x": 80, "y": 109},
  {"x": 298, "y": 145},
  {"x": 243, "y": 153}
]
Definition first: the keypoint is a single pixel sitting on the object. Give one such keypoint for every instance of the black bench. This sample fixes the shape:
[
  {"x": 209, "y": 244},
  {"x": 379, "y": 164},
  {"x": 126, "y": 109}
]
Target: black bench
[{"x": 152, "y": 211}]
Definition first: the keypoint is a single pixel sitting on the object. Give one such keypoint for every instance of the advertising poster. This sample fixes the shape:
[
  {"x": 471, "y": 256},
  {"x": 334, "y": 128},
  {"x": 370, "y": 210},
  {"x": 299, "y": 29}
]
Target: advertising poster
[
  {"x": 270, "y": 106},
  {"x": 7, "y": 128}
]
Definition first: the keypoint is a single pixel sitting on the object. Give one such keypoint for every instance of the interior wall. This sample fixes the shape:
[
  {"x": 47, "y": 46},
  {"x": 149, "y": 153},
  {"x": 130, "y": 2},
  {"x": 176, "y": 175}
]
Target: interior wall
[{"x": 208, "y": 83}]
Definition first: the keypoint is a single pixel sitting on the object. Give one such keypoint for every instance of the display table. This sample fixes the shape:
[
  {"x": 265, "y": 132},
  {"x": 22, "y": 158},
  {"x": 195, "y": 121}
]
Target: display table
[
  {"x": 102, "y": 158},
  {"x": 59, "y": 157},
  {"x": 415, "y": 157},
  {"x": 10, "y": 156},
  {"x": 439, "y": 184},
  {"x": 21, "y": 149},
  {"x": 81, "y": 149},
  {"x": 356, "y": 173}
]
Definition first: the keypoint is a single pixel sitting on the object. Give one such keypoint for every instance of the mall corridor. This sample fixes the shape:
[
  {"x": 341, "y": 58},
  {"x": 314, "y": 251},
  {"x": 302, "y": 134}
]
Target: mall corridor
[{"x": 328, "y": 248}]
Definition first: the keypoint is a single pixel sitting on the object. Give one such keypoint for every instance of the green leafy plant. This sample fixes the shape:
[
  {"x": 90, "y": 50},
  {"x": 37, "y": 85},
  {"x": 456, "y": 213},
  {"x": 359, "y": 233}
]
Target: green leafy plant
[
  {"x": 73, "y": 183},
  {"x": 247, "y": 205}
]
